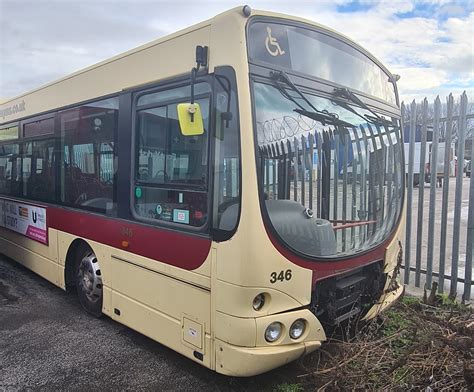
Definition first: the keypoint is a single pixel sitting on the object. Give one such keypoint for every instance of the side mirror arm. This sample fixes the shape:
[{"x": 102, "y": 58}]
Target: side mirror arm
[
  {"x": 194, "y": 72},
  {"x": 201, "y": 60}
]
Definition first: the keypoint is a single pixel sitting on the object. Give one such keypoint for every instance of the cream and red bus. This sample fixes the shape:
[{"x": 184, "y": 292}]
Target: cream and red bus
[{"x": 233, "y": 191}]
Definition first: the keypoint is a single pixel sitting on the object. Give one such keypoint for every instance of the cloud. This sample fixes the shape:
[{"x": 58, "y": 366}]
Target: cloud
[
  {"x": 429, "y": 42},
  {"x": 56, "y": 38},
  {"x": 430, "y": 53},
  {"x": 416, "y": 79}
]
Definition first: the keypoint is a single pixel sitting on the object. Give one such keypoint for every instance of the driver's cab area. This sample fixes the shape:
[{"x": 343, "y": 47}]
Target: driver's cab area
[{"x": 186, "y": 154}]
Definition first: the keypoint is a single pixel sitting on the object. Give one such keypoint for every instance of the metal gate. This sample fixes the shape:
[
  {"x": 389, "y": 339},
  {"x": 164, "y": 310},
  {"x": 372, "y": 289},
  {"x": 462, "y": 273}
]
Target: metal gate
[{"x": 440, "y": 196}]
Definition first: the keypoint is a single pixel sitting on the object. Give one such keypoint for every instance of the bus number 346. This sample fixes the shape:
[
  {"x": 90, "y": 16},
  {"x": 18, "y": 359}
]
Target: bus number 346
[{"x": 282, "y": 276}]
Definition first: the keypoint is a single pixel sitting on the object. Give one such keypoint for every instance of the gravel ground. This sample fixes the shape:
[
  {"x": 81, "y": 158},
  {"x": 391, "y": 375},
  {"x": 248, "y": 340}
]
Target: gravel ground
[{"x": 47, "y": 342}]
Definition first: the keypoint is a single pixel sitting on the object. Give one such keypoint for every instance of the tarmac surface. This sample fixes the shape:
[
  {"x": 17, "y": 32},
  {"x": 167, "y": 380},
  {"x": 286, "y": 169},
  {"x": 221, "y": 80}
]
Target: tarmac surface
[{"x": 48, "y": 343}]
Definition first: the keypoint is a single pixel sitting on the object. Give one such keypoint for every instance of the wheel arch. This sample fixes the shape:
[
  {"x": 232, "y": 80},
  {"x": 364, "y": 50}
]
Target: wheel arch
[{"x": 69, "y": 272}]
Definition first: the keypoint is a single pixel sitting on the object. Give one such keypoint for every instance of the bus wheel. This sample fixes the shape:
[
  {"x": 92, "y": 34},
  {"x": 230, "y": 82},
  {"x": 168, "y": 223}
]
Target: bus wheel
[{"x": 89, "y": 281}]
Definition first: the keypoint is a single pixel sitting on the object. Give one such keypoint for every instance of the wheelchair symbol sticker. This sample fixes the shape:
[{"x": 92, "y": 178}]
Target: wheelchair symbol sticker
[{"x": 272, "y": 45}]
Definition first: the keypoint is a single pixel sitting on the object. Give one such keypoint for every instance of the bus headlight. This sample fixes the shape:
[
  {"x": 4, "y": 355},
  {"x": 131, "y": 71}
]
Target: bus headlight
[
  {"x": 297, "y": 329},
  {"x": 273, "y": 332},
  {"x": 258, "y": 302}
]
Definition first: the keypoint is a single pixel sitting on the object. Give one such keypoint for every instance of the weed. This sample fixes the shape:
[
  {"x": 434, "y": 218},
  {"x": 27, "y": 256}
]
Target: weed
[
  {"x": 451, "y": 303},
  {"x": 286, "y": 387},
  {"x": 412, "y": 346},
  {"x": 409, "y": 300}
]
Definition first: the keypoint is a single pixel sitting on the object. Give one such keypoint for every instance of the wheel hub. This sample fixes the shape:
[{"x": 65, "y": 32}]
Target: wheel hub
[{"x": 90, "y": 277}]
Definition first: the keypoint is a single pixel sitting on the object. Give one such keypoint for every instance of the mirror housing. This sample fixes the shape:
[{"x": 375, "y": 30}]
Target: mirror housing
[{"x": 190, "y": 119}]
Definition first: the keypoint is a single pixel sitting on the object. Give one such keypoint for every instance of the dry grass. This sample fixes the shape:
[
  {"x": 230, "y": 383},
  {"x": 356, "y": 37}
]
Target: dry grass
[{"x": 413, "y": 346}]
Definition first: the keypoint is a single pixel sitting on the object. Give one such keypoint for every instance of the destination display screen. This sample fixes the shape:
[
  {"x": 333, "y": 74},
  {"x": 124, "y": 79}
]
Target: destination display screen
[{"x": 319, "y": 55}]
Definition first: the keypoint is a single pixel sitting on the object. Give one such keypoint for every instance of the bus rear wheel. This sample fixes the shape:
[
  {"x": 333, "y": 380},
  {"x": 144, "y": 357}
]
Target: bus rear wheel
[{"x": 89, "y": 281}]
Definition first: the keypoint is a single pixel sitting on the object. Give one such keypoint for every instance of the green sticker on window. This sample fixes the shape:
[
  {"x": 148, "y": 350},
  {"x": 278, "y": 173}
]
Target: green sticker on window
[{"x": 138, "y": 192}]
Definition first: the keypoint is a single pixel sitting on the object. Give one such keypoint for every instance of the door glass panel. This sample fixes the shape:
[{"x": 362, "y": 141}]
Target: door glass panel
[{"x": 171, "y": 170}]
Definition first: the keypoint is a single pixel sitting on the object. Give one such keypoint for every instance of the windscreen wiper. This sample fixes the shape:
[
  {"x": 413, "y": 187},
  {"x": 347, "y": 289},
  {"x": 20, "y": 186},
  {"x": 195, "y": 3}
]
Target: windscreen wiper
[
  {"x": 344, "y": 92},
  {"x": 323, "y": 116}
]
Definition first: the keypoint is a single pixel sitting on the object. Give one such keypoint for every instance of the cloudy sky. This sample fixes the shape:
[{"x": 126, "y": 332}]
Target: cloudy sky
[{"x": 428, "y": 42}]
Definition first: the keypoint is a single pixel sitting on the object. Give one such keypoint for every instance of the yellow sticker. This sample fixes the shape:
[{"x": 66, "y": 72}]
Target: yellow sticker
[{"x": 190, "y": 119}]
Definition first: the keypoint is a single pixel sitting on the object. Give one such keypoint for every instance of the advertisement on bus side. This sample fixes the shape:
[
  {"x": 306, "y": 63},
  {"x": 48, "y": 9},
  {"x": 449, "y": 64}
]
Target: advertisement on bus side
[{"x": 24, "y": 219}]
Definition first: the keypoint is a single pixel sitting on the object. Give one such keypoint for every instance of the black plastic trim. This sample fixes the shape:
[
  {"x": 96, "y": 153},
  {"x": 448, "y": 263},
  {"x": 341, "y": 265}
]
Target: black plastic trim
[
  {"x": 124, "y": 141},
  {"x": 217, "y": 234}
]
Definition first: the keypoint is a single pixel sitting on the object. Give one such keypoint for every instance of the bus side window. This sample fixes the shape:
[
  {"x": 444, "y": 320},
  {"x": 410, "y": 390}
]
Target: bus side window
[
  {"x": 87, "y": 164},
  {"x": 38, "y": 170},
  {"x": 10, "y": 163}
]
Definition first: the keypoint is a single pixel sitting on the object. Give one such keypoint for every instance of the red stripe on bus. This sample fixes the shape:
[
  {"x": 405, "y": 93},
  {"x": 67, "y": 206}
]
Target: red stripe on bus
[
  {"x": 179, "y": 249},
  {"x": 330, "y": 267}
]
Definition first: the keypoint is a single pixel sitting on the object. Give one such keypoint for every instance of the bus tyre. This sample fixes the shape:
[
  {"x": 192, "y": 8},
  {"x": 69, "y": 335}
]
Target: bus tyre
[{"x": 89, "y": 281}]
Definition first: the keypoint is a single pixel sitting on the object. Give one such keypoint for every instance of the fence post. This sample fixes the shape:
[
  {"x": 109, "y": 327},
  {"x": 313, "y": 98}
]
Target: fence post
[
  {"x": 411, "y": 157},
  {"x": 444, "y": 208},
  {"x": 462, "y": 128},
  {"x": 421, "y": 189},
  {"x": 433, "y": 183},
  {"x": 469, "y": 244}
]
